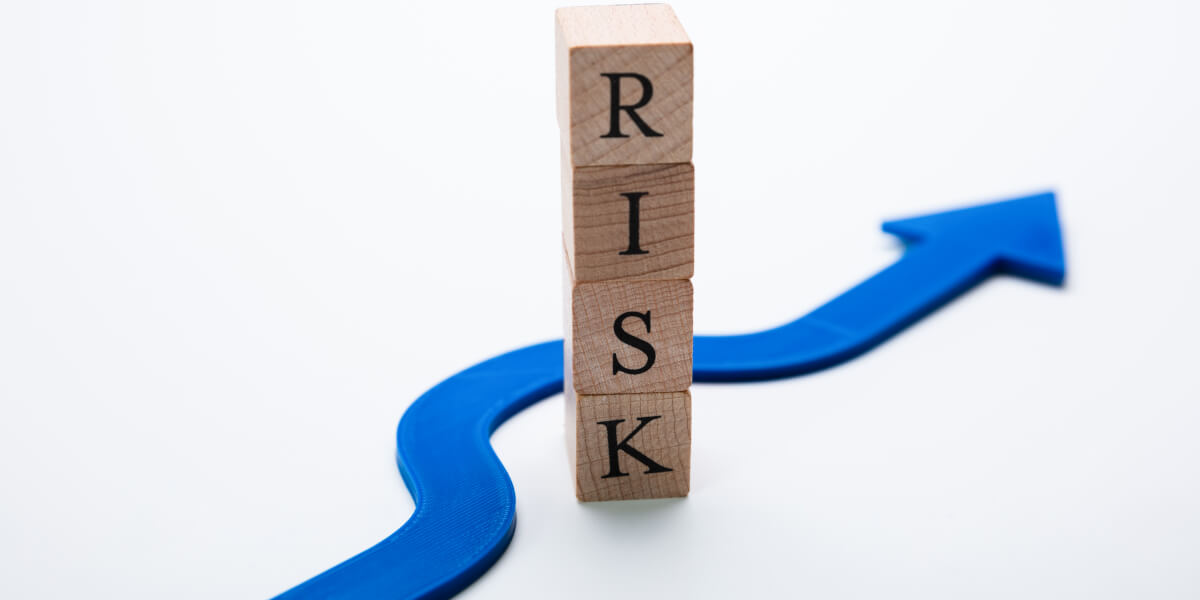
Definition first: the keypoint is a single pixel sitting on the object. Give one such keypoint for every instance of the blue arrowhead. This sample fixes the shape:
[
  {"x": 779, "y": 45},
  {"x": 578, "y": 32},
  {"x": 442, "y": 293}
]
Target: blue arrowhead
[
  {"x": 465, "y": 503},
  {"x": 1022, "y": 233},
  {"x": 947, "y": 254}
]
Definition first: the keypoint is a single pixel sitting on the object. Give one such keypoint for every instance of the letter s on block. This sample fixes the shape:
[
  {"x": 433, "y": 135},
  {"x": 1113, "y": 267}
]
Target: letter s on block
[{"x": 632, "y": 340}]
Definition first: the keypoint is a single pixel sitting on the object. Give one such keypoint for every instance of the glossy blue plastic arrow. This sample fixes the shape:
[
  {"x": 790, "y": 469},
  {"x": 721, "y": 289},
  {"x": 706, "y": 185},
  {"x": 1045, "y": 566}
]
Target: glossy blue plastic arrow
[{"x": 465, "y": 504}]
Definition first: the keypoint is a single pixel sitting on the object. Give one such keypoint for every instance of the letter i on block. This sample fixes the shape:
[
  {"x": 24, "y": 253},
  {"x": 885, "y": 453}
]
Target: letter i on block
[{"x": 625, "y": 111}]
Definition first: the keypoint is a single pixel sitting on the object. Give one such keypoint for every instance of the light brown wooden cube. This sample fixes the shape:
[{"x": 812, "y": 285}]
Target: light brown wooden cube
[
  {"x": 629, "y": 446},
  {"x": 628, "y": 336},
  {"x": 624, "y": 85},
  {"x": 630, "y": 222}
]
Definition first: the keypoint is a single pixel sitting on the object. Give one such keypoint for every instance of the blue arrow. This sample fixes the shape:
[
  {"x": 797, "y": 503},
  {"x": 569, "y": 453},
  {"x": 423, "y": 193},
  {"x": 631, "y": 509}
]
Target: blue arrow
[
  {"x": 948, "y": 253},
  {"x": 465, "y": 505}
]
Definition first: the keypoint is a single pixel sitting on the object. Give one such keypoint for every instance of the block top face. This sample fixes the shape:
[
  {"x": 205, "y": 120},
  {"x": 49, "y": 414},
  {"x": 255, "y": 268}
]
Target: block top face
[
  {"x": 624, "y": 25},
  {"x": 624, "y": 85}
]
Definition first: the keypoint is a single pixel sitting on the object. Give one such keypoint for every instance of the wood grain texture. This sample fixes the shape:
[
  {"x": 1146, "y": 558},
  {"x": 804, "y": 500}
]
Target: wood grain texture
[
  {"x": 591, "y": 342},
  {"x": 644, "y": 39},
  {"x": 596, "y": 221},
  {"x": 666, "y": 440}
]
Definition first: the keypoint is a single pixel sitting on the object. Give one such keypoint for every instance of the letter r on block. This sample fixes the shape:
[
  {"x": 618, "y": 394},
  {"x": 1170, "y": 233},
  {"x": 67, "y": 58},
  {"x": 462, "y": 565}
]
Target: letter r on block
[{"x": 624, "y": 93}]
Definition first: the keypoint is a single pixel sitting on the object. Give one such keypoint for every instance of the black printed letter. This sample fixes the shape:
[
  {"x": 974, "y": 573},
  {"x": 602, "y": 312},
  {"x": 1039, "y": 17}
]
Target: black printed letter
[
  {"x": 615, "y": 106},
  {"x": 614, "y": 464},
  {"x": 634, "y": 341},
  {"x": 634, "y": 222}
]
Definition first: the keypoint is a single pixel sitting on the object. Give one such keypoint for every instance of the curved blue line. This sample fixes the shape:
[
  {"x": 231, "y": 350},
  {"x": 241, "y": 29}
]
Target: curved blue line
[{"x": 465, "y": 504}]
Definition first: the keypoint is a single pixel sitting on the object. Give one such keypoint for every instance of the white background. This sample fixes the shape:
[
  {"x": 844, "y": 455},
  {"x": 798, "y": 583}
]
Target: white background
[{"x": 237, "y": 239}]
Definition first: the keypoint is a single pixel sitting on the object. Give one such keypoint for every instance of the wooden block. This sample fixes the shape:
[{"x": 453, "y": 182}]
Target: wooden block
[
  {"x": 629, "y": 446},
  {"x": 629, "y": 222},
  {"x": 628, "y": 336},
  {"x": 624, "y": 85}
]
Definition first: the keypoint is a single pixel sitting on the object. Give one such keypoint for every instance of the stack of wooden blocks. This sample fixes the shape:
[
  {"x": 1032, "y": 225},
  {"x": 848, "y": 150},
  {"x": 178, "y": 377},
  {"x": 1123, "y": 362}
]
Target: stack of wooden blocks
[{"x": 625, "y": 112}]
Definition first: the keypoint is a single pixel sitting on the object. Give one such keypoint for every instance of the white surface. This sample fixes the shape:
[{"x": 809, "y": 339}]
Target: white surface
[{"x": 237, "y": 239}]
